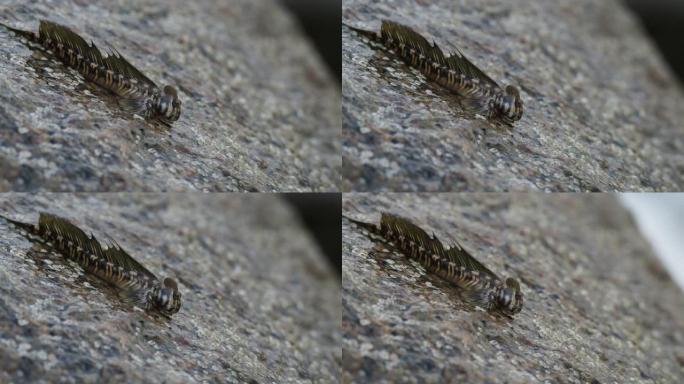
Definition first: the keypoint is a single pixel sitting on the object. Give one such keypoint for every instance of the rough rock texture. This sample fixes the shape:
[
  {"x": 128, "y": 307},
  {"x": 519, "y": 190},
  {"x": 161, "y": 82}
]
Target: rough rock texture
[
  {"x": 602, "y": 111},
  {"x": 260, "y": 111},
  {"x": 259, "y": 303},
  {"x": 598, "y": 306}
]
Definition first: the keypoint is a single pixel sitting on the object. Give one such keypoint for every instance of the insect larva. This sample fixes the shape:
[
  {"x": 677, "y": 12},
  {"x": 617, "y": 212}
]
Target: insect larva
[
  {"x": 111, "y": 264},
  {"x": 112, "y": 72},
  {"x": 455, "y": 72},
  {"x": 453, "y": 264}
]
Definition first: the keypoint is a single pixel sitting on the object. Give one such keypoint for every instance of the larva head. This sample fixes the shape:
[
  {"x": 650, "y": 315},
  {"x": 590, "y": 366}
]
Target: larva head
[
  {"x": 510, "y": 298},
  {"x": 167, "y": 106},
  {"x": 509, "y": 106},
  {"x": 167, "y": 299}
]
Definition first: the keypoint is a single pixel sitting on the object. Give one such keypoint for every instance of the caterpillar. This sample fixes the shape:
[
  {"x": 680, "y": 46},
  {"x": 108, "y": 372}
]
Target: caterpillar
[
  {"x": 455, "y": 72},
  {"x": 138, "y": 94},
  {"x": 112, "y": 264},
  {"x": 454, "y": 264}
]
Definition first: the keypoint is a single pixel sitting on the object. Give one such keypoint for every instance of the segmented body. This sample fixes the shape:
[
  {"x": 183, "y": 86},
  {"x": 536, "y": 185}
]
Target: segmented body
[
  {"x": 451, "y": 264},
  {"x": 112, "y": 72},
  {"x": 112, "y": 264},
  {"x": 454, "y": 72}
]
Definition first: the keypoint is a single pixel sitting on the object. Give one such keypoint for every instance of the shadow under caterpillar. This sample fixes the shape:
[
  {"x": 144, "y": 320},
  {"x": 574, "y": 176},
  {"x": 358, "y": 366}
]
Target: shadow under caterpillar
[
  {"x": 137, "y": 93},
  {"x": 112, "y": 264},
  {"x": 455, "y": 265}
]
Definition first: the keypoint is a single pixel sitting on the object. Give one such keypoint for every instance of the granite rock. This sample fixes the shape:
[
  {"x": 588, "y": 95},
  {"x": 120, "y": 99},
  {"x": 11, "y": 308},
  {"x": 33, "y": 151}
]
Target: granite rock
[
  {"x": 602, "y": 110},
  {"x": 599, "y": 307},
  {"x": 260, "y": 110},
  {"x": 260, "y": 305}
]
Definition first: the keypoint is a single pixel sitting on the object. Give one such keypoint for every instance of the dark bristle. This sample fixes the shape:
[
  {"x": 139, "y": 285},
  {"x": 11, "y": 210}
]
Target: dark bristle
[
  {"x": 114, "y": 61},
  {"x": 457, "y": 61},
  {"x": 50, "y": 225}
]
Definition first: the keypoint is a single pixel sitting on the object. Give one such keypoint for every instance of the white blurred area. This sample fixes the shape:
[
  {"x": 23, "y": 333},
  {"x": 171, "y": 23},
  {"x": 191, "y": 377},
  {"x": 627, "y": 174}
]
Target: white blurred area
[{"x": 660, "y": 217}]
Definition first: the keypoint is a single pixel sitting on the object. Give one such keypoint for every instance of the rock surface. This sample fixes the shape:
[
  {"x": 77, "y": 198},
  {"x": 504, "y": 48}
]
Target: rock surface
[
  {"x": 602, "y": 110},
  {"x": 260, "y": 112},
  {"x": 259, "y": 303},
  {"x": 598, "y": 306}
]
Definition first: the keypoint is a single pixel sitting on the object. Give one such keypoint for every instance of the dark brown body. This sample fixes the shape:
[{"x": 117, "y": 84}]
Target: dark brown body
[
  {"x": 455, "y": 73},
  {"x": 112, "y": 264},
  {"x": 91, "y": 257},
  {"x": 453, "y": 264},
  {"x": 112, "y": 72}
]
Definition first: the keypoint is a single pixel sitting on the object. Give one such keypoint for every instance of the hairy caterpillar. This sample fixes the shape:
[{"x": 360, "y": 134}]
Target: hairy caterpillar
[
  {"x": 453, "y": 264},
  {"x": 111, "y": 264},
  {"x": 112, "y": 72},
  {"x": 455, "y": 72}
]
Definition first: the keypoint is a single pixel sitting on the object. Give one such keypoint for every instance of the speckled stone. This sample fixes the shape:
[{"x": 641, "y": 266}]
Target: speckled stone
[
  {"x": 602, "y": 110},
  {"x": 260, "y": 305},
  {"x": 598, "y": 306},
  {"x": 260, "y": 110}
]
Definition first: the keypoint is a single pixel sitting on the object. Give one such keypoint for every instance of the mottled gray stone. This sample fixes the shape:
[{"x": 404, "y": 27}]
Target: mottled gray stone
[
  {"x": 602, "y": 110},
  {"x": 259, "y": 302},
  {"x": 598, "y": 306},
  {"x": 260, "y": 110}
]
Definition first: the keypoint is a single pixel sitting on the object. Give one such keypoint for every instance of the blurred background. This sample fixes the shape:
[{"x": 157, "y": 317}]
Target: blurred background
[
  {"x": 660, "y": 216},
  {"x": 321, "y": 213},
  {"x": 663, "y": 20},
  {"x": 321, "y": 20}
]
